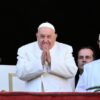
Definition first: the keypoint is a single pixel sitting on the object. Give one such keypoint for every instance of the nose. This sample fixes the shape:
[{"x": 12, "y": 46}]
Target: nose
[
  {"x": 84, "y": 59},
  {"x": 45, "y": 39}
]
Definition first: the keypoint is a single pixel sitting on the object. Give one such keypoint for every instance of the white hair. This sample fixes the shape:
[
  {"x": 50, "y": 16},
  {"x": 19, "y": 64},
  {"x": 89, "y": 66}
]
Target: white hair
[{"x": 47, "y": 24}]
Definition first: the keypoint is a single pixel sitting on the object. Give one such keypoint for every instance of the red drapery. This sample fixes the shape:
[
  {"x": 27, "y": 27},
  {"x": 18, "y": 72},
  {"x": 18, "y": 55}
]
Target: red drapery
[{"x": 48, "y": 96}]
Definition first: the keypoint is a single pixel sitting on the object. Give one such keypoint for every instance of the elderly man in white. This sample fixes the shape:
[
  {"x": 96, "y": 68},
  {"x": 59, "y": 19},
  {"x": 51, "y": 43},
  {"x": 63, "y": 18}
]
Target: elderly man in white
[
  {"x": 90, "y": 79},
  {"x": 46, "y": 65}
]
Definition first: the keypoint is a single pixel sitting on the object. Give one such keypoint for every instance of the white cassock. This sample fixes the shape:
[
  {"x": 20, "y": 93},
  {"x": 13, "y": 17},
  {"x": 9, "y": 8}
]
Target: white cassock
[{"x": 61, "y": 75}]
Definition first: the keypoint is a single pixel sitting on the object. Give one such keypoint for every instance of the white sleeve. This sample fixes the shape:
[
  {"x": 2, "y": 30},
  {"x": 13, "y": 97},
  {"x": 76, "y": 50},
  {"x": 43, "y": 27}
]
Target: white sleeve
[
  {"x": 64, "y": 66},
  {"x": 26, "y": 68}
]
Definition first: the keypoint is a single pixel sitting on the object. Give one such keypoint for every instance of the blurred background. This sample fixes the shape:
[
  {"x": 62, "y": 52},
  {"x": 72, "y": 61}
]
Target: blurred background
[{"x": 77, "y": 23}]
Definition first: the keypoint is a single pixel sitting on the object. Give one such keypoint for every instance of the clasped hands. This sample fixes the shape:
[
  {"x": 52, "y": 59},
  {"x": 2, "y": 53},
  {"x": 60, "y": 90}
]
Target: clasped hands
[{"x": 46, "y": 58}]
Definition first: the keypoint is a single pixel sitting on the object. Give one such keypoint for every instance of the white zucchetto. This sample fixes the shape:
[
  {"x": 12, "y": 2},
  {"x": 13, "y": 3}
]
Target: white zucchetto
[{"x": 46, "y": 24}]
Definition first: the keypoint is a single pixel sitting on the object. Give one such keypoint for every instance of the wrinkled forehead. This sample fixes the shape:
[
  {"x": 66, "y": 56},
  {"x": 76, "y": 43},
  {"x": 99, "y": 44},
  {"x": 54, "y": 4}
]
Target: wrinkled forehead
[
  {"x": 85, "y": 52},
  {"x": 46, "y": 31}
]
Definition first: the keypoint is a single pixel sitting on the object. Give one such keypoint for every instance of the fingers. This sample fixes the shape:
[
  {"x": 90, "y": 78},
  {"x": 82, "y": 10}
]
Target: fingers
[
  {"x": 46, "y": 57},
  {"x": 43, "y": 57}
]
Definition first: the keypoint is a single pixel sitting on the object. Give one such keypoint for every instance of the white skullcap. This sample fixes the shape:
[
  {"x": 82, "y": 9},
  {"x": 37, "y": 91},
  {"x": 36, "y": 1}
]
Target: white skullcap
[{"x": 46, "y": 24}]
